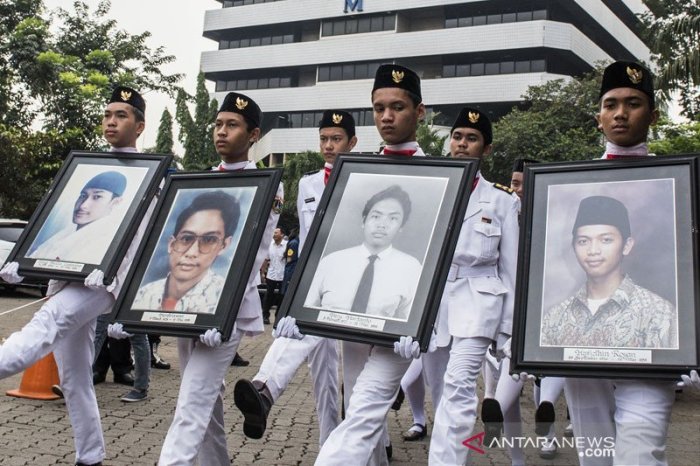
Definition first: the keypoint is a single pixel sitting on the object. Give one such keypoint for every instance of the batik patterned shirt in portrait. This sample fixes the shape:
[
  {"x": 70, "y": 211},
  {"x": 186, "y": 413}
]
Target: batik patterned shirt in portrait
[
  {"x": 633, "y": 317},
  {"x": 202, "y": 298}
]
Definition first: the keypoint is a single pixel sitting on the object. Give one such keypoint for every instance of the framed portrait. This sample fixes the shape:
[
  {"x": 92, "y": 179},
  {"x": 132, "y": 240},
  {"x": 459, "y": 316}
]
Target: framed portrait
[
  {"x": 375, "y": 261},
  {"x": 191, "y": 272},
  {"x": 608, "y": 270},
  {"x": 89, "y": 215}
]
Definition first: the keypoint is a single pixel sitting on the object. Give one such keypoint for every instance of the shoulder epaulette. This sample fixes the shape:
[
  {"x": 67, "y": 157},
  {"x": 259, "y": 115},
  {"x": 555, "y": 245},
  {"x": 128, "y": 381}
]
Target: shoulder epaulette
[
  {"x": 503, "y": 188},
  {"x": 312, "y": 172}
]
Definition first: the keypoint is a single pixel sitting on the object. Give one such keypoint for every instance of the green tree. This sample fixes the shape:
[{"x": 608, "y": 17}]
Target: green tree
[
  {"x": 555, "y": 123},
  {"x": 429, "y": 138},
  {"x": 674, "y": 138},
  {"x": 57, "y": 69},
  {"x": 196, "y": 132},
  {"x": 673, "y": 29},
  {"x": 164, "y": 139},
  {"x": 296, "y": 166}
]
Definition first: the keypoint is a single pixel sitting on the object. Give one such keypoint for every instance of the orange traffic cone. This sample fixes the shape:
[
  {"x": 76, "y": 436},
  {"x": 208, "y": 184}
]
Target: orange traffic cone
[{"x": 37, "y": 380}]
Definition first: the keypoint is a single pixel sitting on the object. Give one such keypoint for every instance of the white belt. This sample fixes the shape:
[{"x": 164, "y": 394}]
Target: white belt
[{"x": 463, "y": 271}]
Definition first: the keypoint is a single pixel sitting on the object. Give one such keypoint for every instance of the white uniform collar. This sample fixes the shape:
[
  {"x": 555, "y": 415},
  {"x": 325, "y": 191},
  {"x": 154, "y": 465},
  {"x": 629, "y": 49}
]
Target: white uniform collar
[
  {"x": 613, "y": 149},
  {"x": 412, "y": 145},
  {"x": 132, "y": 150},
  {"x": 223, "y": 166}
]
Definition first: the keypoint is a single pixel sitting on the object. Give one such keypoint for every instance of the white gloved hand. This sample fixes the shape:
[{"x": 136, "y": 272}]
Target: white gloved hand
[
  {"x": 211, "y": 338},
  {"x": 691, "y": 381},
  {"x": 116, "y": 331},
  {"x": 523, "y": 376},
  {"x": 95, "y": 281},
  {"x": 407, "y": 348},
  {"x": 9, "y": 273},
  {"x": 287, "y": 328},
  {"x": 503, "y": 342}
]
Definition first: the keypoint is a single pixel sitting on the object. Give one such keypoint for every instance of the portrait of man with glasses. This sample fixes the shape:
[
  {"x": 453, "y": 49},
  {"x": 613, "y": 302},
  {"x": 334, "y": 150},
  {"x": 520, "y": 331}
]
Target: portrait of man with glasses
[{"x": 203, "y": 232}]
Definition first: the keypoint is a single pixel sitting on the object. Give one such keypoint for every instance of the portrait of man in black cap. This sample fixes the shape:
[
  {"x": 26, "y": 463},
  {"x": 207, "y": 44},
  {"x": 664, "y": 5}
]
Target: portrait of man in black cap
[
  {"x": 96, "y": 209},
  {"x": 609, "y": 310}
]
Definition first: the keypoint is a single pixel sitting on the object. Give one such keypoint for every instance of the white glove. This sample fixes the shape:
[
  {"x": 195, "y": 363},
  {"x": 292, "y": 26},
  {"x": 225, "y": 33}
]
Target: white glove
[
  {"x": 407, "y": 348},
  {"x": 523, "y": 376},
  {"x": 9, "y": 273},
  {"x": 503, "y": 346},
  {"x": 95, "y": 281},
  {"x": 211, "y": 338},
  {"x": 432, "y": 345},
  {"x": 287, "y": 328},
  {"x": 692, "y": 380},
  {"x": 116, "y": 331}
]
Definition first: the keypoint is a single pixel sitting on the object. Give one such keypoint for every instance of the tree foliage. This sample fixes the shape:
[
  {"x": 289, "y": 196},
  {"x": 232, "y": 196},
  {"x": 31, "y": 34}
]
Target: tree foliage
[
  {"x": 295, "y": 167},
  {"x": 672, "y": 138},
  {"x": 164, "y": 139},
  {"x": 673, "y": 30},
  {"x": 196, "y": 132},
  {"x": 429, "y": 138},
  {"x": 555, "y": 123},
  {"x": 57, "y": 70}
]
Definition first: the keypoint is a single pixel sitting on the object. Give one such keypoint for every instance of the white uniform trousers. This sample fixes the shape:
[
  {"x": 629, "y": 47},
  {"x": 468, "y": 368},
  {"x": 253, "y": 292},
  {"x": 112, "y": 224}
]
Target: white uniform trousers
[
  {"x": 456, "y": 413},
  {"x": 197, "y": 430},
  {"x": 358, "y": 440},
  {"x": 282, "y": 361},
  {"x": 434, "y": 367},
  {"x": 508, "y": 396},
  {"x": 65, "y": 324},
  {"x": 635, "y": 413}
]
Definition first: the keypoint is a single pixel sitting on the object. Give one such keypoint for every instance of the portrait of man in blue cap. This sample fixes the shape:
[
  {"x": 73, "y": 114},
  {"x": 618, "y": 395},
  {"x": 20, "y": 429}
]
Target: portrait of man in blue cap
[{"x": 92, "y": 228}]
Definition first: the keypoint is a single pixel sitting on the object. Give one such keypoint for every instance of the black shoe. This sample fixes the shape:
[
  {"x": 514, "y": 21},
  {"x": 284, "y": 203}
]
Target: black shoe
[
  {"x": 57, "y": 390},
  {"x": 398, "y": 401},
  {"x": 389, "y": 451},
  {"x": 156, "y": 361},
  {"x": 239, "y": 361},
  {"x": 492, "y": 417},
  {"x": 266, "y": 321},
  {"x": 412, "y": 435},
  {"x": 254, "y": 401},
  {"x": 98, "y": 377},
  {"x": 83, "y": 464},
  {"x": 125, "y": 379},
  {"x": 544, "y": 418}
]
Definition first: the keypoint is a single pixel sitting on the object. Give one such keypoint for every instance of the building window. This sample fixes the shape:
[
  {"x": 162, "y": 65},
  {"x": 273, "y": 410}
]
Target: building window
[
  {"x": 253, "y": 83},
  {"x": 232, "y": 3},
  {"x": 496, "y": 18},
  {"x": 491, "y": 68},
  {"x": 256, "y": 41},
  {"x": 343, "y": 26},
  {"x": 347, "y": 72}
]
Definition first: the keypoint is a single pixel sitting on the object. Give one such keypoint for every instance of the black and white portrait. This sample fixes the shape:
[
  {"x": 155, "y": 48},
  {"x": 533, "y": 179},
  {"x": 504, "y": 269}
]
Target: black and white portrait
[{"x": 374, "y": 254}]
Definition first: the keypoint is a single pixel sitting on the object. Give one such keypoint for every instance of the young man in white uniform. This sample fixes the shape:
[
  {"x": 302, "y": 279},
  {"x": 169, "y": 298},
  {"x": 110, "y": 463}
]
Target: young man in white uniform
[
  {"x": 477, "y": 305},
  {"x": 65, "y": 324},
  {"x": 197, "y": 431},
  {"x": 635, "y": 413},
  {"x": 255, "y": 398}
]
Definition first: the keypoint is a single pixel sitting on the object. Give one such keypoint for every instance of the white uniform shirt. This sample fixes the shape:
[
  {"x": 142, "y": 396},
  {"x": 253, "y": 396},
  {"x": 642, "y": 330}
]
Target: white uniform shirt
[
  {"x": 202, "y": 298},
  {"x": 478, "y": 299},
  {"x": 309, "y": 195},
  {"x": 337, "y": 278},
  {"x": 275, "y": 254}
]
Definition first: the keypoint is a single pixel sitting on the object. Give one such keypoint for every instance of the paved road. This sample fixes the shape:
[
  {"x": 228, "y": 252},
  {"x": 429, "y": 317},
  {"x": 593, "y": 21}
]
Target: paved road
[{"x": 39, "y": 433}]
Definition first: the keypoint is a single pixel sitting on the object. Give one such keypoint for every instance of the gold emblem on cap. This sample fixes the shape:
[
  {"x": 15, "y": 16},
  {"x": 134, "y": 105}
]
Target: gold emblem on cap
[
  {"x": 634, "y": 75},
  {"x": 473, "y": 117},
  {"x": 125, "y": 95},
  {"x": 241, "y": 103},
  {"x": 397, "y": 76},
  {"x": 337, "y": 118}
]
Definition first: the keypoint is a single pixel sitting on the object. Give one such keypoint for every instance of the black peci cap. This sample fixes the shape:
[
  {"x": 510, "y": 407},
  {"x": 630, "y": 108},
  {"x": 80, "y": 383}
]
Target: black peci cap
[
  {"x": 520, "y": 162},
  {"x": 244, "y": 105},
  {"x": 472, "y": 118},
  {"x": 397, "y": 76},
  {"x": 129, "y": 96},
  {"x": 628, "y": 74},
  {"x": 603, "y": 210},
  {"x": 338, "y": 119}
]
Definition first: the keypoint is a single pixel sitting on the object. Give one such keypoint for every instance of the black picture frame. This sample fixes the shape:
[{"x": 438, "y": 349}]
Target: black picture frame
[
  {"x": 648, "y": 327},
  {"x": 439, "y": 190},
  {"x": 66, "y": 240},
  {"x": 217, "y": 291}
]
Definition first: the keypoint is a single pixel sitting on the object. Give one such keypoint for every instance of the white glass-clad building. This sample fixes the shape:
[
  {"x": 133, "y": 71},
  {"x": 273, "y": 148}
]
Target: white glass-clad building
[{"x": 297, "y": 58}]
